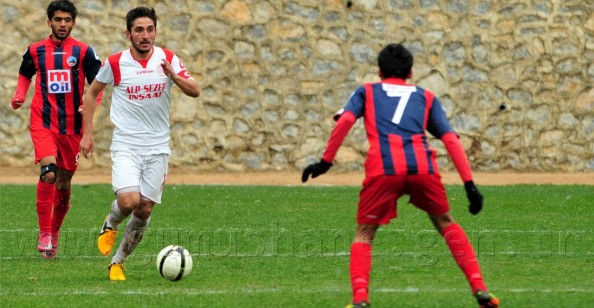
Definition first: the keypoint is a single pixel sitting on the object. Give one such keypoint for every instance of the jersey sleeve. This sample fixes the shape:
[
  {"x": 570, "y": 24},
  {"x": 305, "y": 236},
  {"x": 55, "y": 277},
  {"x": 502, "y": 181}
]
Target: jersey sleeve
[
  {"x": 91, "y": 64},
  {"x": 458, "y": 155},
  {"x": 354, "y": 105},
  {"x": 438, "y": 123},
  {"x": 105, "y": 73},
  {"x": 27, "y": 68},
  {"x": 179, "y": 68},
  {"x": 340, "y": 131}
]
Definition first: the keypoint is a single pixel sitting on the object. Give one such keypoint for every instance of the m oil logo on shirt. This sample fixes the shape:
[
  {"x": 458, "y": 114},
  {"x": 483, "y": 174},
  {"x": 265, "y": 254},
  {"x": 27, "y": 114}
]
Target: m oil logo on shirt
[{"x": 58, "y": 81}]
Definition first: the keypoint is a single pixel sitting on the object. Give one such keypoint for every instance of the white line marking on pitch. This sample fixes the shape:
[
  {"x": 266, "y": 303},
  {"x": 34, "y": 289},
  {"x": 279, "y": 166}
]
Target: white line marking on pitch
[
  {"x": 193, "y": 291},
  {"x": 280, "y": 228}
]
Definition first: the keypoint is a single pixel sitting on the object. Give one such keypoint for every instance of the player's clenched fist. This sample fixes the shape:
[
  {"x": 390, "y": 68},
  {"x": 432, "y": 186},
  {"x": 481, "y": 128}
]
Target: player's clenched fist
[
  {"x": 167, "y": 68},
  {"x": 16, "y": 103},
  {"x": 474, "y": 196},
  {"x": 315, "y": 170}
]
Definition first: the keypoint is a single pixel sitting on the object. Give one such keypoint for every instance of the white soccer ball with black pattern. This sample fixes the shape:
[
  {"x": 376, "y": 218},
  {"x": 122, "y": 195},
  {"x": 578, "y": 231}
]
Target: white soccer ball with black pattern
[{"x": 174, "y": 262}]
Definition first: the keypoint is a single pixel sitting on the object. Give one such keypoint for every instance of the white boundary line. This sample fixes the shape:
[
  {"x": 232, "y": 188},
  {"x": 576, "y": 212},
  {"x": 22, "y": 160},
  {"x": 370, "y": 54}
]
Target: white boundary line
[
  {"x": 470, "y": 231},
  {"x": 341, "y": 254},
  {"x": 193, "y": 291}
]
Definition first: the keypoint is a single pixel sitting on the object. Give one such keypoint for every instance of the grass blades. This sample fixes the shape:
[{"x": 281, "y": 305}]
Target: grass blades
[{"x": 256, "y": 246}]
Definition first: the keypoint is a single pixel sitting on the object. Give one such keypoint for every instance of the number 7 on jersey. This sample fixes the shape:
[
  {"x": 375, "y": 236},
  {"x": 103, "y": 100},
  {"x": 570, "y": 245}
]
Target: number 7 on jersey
[{"x": 404, "y": 93}]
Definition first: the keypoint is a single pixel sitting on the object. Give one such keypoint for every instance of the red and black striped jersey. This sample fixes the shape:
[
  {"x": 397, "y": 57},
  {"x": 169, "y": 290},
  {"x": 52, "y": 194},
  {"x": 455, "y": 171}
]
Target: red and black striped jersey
[
  {"x": 61, "y": 69},
  {"x": 396, "y": 116}
]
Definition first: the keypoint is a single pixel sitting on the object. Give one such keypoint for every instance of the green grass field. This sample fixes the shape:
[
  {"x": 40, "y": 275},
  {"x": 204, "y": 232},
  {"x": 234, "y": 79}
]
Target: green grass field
[{"x": 264, "y": 246}]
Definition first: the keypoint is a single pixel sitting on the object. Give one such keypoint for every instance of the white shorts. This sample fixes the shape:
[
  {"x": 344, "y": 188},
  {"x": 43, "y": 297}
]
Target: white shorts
[{"x": 135, "y": 172}]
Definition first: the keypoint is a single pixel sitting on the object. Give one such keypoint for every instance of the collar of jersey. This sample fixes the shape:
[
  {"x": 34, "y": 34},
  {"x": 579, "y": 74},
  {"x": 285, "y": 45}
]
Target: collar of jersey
[
  {"x": 143, "y": 62},
  {"x": 394, "y": 80},
  {"x": 60, "y": 43}
]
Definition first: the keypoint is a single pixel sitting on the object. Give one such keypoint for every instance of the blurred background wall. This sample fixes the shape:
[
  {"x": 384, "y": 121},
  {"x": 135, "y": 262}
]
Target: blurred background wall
[{"x": 274, "y": 72}]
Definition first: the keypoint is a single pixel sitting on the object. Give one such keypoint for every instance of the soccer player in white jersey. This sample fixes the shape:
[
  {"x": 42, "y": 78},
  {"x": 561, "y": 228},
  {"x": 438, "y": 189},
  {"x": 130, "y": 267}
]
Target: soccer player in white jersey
[{"x": 141, "y": 77}]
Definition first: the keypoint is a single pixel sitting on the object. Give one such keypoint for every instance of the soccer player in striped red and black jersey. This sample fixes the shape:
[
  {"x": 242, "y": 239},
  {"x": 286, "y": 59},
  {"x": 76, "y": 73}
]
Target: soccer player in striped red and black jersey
[
  {"x": 399, "y": 162},
  {"x": 62, "y": 64}
]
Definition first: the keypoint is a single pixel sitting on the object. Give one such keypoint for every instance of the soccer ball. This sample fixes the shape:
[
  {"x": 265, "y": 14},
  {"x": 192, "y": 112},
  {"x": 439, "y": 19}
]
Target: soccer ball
[{"x": 174, "y": 262}]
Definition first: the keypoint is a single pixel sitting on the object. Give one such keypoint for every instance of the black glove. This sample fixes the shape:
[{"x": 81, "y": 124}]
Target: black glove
[
  {"x": 315, "y": 170},
  {"x": 474, "y": 196}
]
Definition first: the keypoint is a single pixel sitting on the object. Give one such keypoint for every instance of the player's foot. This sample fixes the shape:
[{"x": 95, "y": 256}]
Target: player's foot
[
  {"x": 116, "y": 272},
  {"x": 50, "y": 254},
  {"x": 362, "y": 304},
  {"x": 106, "y": 239},
  {"x": 44, "y": 242},
  {"x": 486, "y": 299}
]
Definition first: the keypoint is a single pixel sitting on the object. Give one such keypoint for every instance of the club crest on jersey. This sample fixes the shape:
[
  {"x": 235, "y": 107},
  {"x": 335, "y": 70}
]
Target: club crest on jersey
[
  {"x": 71, "y": 61},
  {"x": 59, "y": 81}
]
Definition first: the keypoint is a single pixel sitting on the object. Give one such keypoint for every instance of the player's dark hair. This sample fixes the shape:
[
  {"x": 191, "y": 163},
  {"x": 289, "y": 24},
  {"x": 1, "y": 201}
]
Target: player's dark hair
[
  {"x": 138, "y": 12},
  {"x": 61, "y": 5},
  {"x": 395, "y": 61}
]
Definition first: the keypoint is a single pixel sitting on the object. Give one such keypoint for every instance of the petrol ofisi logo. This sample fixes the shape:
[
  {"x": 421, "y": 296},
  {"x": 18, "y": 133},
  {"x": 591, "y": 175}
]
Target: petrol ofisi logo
[{"x": 59, "y": 81}]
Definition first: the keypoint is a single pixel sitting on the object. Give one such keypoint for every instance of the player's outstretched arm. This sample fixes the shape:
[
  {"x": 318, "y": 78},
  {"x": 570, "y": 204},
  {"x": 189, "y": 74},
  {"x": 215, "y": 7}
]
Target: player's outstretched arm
[
  {"x": 87, "y": 143},
  {"x": 456, "y": 151},
  {"x": 340, "y": 131}
]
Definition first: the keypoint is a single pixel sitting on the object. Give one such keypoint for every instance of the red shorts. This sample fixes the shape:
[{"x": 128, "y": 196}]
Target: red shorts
[
  {"x": 378, "y": 197},
  {"x": 66, "y": 148}
]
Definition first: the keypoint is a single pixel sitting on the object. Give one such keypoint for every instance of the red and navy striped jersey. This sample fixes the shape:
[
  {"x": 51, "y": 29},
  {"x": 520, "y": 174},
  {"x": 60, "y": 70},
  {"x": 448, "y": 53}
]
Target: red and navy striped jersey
[
  {"x": 396, "y": 116},
  {"x": 61, "y": 69}
]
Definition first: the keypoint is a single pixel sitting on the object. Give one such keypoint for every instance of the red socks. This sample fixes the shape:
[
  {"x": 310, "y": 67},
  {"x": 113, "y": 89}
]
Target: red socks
[
  {"x": 463, "y": 253},
  {"x": 454, "y": 237},
  {"x": 360, "y": 267},
  {"x": 45, "y": 199},
  {"x": 48, "y": 199},
  {"x": 61, "y": 207}
]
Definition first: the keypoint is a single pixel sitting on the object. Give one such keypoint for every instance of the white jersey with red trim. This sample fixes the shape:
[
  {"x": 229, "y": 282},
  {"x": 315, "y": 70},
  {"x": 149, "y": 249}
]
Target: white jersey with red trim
[{"x": 140, "y": 100}]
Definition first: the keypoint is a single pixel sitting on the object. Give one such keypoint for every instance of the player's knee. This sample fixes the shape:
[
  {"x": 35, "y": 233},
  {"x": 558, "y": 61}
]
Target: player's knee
[
  {"x": 365, "y": 233},
  {"x": 128, "y": 198},
  {"x": 442, "y": 221},
  {"x": 63, "y": 180},
  {"x": 144, "y": 209},
  {"x": 446, "y": 219},
  {"x": 142, "y": 212},
  {"x": 49, "y": 173},
  {"x": 48, "y": 178},
  {"x": 62, "y": 185},
  {"x": 127, "y": 205}
]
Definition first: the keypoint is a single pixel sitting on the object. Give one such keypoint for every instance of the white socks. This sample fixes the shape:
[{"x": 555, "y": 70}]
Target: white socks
[
  {"x": 132, "y": 236},
  {"x": 115, "y": 216}
]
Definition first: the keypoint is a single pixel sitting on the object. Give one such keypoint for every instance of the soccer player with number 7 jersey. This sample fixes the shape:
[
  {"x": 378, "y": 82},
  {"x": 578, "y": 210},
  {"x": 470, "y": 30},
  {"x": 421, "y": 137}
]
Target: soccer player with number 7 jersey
[{"x": 399, "y": 162}]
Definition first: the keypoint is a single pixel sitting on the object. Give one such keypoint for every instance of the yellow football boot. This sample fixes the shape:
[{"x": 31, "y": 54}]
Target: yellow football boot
[
  {"x": 106, "y": 239},
  {"x": 116, "y": 272}
]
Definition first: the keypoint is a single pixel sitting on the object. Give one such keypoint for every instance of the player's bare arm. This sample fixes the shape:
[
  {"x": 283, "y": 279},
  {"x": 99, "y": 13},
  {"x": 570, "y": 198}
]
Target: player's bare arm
[
  {"x": 87, "y": 143},
  {"x": 188, "y": 86}
]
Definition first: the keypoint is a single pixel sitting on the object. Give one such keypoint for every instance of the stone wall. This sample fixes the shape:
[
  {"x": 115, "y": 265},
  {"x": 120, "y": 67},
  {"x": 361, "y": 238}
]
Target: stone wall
[{"x": 274, "y": 72}]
